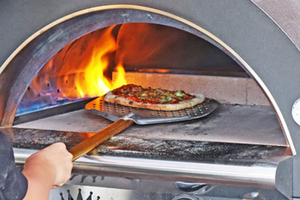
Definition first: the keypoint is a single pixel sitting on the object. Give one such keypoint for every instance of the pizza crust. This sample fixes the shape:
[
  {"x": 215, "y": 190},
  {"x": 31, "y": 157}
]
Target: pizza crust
[{"x": 111, "y": 98}]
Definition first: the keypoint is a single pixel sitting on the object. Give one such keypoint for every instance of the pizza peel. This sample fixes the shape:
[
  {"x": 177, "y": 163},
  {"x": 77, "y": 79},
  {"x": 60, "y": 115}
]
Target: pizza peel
[{"x": 124, "y": 116}]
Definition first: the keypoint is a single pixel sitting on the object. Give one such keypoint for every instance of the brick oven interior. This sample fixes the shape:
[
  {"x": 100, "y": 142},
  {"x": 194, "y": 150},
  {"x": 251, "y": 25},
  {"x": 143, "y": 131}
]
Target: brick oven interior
[{"x": 154, "y": 56}]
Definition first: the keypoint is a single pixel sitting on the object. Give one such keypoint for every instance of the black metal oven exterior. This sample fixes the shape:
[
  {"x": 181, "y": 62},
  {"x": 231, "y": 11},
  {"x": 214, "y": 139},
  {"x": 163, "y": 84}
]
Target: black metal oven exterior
[{"x": 272, "y": 57}]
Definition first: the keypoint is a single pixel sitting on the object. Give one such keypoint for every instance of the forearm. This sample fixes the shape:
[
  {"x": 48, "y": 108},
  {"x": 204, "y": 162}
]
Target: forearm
[
  {"x": 36, "y": 190},
  {"x": 46, "y": 169},
  {"x": 39, "y": 184}
]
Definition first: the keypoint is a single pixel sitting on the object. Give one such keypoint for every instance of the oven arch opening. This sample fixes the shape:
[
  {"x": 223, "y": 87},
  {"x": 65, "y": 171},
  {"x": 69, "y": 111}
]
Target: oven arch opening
[{"x": 56, "y": 38}]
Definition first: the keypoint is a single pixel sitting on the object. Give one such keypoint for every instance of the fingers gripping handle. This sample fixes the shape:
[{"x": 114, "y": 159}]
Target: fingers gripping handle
[{"x": 90, "y": 143}]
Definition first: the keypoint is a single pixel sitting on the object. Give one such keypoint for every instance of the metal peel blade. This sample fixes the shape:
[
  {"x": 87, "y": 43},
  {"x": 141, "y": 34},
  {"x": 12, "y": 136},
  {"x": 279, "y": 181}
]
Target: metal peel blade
[{"x": 124, "y": 116}]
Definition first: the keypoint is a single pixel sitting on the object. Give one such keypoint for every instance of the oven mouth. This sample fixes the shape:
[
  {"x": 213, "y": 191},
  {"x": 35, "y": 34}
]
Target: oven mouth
[
  {"x": 58, "y": 34},
  {"x": 56, "y": 39},
  {"x": 108, "y": 58}
]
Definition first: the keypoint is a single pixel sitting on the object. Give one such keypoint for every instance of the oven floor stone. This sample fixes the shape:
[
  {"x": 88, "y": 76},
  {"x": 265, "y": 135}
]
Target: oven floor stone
[{"x": 240, "y": 124}]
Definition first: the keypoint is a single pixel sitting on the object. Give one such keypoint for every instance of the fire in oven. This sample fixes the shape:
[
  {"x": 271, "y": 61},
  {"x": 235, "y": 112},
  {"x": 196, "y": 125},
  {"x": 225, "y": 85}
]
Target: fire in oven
[{"x": 194, "y": 113}]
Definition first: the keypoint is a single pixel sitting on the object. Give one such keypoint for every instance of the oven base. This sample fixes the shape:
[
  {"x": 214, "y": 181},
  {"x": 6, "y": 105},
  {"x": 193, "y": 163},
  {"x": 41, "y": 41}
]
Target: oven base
[{"x": 83, "y": 187}]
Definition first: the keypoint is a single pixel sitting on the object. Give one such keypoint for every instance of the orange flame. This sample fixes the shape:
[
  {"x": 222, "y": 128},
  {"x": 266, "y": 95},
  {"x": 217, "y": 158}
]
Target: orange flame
[
  {"x": 85, "y": 64},
  {"x": 79, "y": 69},
  {"x": 95, "y": 83}
]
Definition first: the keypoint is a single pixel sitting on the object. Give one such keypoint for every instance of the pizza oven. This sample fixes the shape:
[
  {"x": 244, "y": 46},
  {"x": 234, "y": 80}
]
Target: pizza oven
[{"x": 56, "y": 57}]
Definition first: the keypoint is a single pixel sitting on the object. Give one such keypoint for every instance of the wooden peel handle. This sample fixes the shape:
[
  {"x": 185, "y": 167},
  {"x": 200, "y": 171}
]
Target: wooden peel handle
[{"x": 90, "y": 143}]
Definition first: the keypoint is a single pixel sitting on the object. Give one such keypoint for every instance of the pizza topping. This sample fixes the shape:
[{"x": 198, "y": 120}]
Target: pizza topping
[
  {"x": 153, "y": 96},
  {"x": 179, "y": 93}
]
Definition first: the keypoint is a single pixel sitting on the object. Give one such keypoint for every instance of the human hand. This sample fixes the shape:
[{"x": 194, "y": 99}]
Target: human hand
[{"x": 48, "y": 168}]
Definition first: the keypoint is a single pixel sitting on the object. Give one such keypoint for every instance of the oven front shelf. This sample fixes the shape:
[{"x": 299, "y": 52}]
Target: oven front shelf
[
  {"x": 150, "y": 167},
  {"x": 242, "y": 171},
  {"x": 139, "y": 178},
  {"x": 217, "y": 152}
]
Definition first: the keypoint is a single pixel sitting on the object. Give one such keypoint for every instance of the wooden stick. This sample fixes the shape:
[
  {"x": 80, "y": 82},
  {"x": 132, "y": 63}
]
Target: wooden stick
[{"x": 90, "y": 143}]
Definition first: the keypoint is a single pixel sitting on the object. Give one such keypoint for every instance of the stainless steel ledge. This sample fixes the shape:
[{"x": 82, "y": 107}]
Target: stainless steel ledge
[{"x": 260, "y": 175}]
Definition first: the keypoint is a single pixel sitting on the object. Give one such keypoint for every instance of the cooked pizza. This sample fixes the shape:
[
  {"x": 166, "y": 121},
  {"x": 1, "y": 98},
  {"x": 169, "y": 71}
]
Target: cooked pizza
[{"x": 154, "y": 99}]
